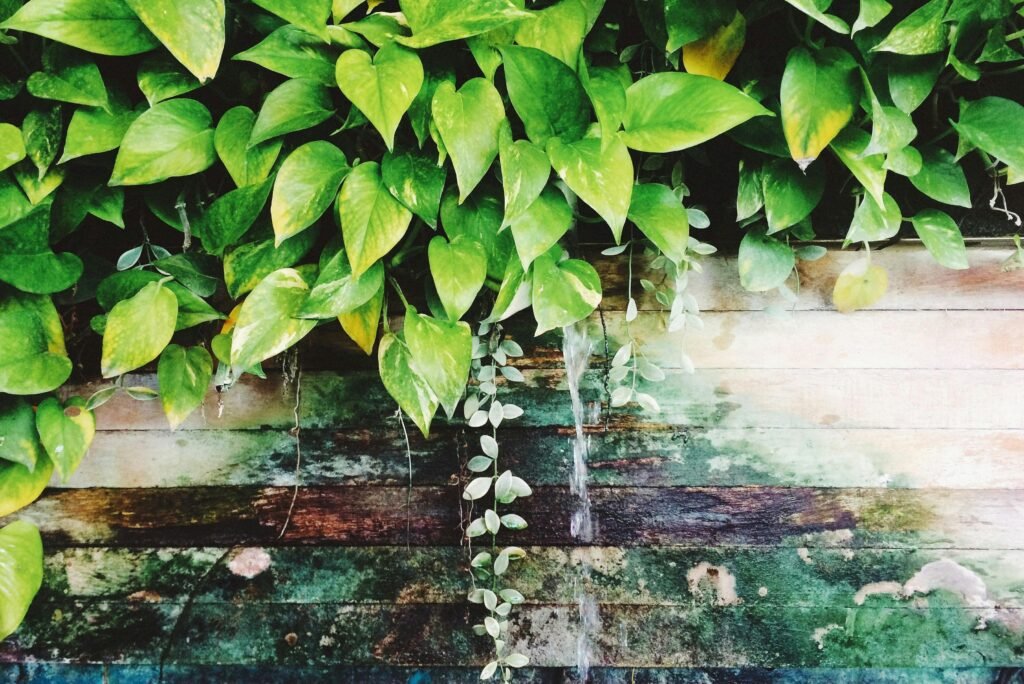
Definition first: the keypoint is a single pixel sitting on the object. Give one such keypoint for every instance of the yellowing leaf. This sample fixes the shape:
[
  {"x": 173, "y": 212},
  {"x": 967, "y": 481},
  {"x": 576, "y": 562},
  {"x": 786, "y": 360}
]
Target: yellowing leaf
[
  {"x": 819, "y": 93},
  {"x": 361, "y": 324},
  {"x": 715, "y": 55},
  {"x": 21, "y": 572},
  {"x": 859, "y": 286}
]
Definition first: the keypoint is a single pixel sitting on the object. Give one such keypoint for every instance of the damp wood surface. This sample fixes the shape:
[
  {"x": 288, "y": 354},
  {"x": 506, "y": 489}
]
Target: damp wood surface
[{"x": 829, "y": 498}]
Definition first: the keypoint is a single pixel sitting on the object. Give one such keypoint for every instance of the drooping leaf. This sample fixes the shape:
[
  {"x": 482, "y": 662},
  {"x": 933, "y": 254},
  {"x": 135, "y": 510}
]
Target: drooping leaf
[
  {"x": 93, "y": 131},
  {"x": 33, "y": 358},
  {"x": 764, "y": 262},
  {"x": 12, "y": 146},
  {"x": 558, "y": 30},
  {"x": 941, "y": 178},
  {"x": 20, "y": 486},
  {"x": 819, "y": 93},
  {"x": 306, "y": 185},
  {"x": 859, "y": 286},
  {"x": 994, "y": 124},
  {"x": 106, "y": 27},
  {"x": 161, "y": 79},
  {"x": 515, "y": 293},
  {"x": 66, "y": 432},
  {"x": 546, "y": 94},
  {"x": 524, "y": 173},
  {"x": 459, "y": 269},
  {"x": 405, "y": 385},
  {"x": 21, "y": 571},
  {"x": 749, "y": 191},
  {"x": 309, "y": 15},
  {"x": 812, "y": 8},
  {"x": 789, "y": 194},
  {"x": 70, "y": 77},
  {"x": 20, "y": 442},
  {"x": 441, "y": 21},
  {"x": 372, "y": 221},
  {"x": 192, "y": 31},
  {"x": 906, "y": 161},
  {"x": 669, "y": 111},
  {"x": 715, "y": 54},
  {"x": 942, "y": 237},
  {"x": 849, "y": 146},
  {"x": 415, "y": 181},
  {"x": 184, "y": 374},
  {"x": 26, "y": 260},
  {"x": 442, "y": 352},
  {"x": 384, "y": 87},
  {"x": 231, "y": 215},
  {"x": 294, "y": 53},
  {"x": 337, "y": 291},
  {"x": 138, "y": 329},
  {"x": 295, "y": 105},
  {"x": 246, "y": 165},
  {"x": 247, "y": 264},
  {"x": 920, "y": 33},
  {"x": 872, "y": 223},
  {"x": 266, "y": 323},
  {"x": 469, "y": 121},
  {"x": 479, "y": 218},
  {"x": 362, "y": 322},
  {"x": 542, "y": 225},
  {"x": 602, "y": 176},
  {"x": 173, "y": 138},
  {"x": 659, "y": 214},
  {"x": 564, "y": 292},
  {"x": 687, "y": 21}
]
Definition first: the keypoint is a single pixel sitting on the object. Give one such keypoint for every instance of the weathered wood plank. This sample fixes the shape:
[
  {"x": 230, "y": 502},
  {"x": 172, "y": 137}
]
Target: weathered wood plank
[
  {"x": 625, "y": 516},
  {"x": 660, "y": 456}
]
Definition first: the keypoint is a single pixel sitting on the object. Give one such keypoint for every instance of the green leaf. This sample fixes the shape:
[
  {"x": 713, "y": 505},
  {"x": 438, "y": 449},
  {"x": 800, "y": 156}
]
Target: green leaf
[
  {"x": 459, "y": 269},
  {"x": 194, "y": 270},
  {"x": 515, "y": 293},
  {"x": 372, "y": 221},
  {"x": 764, "y": 262},
  {"x": 789, "y": 194},
  {"x": 479, "y": 218},
  {"x": 383, "y": 88},
  {"x": 184, "y": 374},
  {"x": 891, "y": 128},
  {"x": 171, "y": 139},
  {"x": 93, "y": 131},
  {"x": 295, "y": 105},
  {"x": 33, "y": 358},
  {"x": 606, "y": 88},
  {"x": 469, "y": 121},
  {"x": 361, "y": 323},
  {"x": 41, "y": 131},
  {"x": 138, "y": 329},
  {"x": 118, "y": 287},
  {"x": 524, "y": 173},
  {"x": 942, "y": 237},
  {"x": 161, "y": 79},
  {"x": 941, "y": 178},
  {"x": 849, "y": 146},
  {"x": 306, "y": 185},
  {"x": 994, "y": 124},
  {"x": 192, "y": 31},
  {"x": 66, "y": 432},
  {"x": 416, "y": 182},
  {"x": 749, "y": 191},
  {"x": 912, "y": 79},
  {"x": 659, "y": 214},
  {"x": 546, "y": 94},
  {"x": 906, "y": 161},
  {"x": 336, "y": 291},
  {"x": 689, "y": 20},
  {"x": 661, "y": 116},
  {"x": 404, "y": 383},
  {"x": 441, "y": 21},
  {"x": 294, "y": 53},
  {"x": 420, "y": 114},
  {"x": 20, "y": 443},
  {"x": 26, "y": 260},
  {"x": 542, "y": 225},
  {"x": 872, "y": 223},
  {"x": 21, "y": 571},
  {"x": 106, "y": 27},
  {"x": 247, "y": 264},
  {"x": 266, "y": 323},
  {"x": 602, "y": 176},
  {"x": 920, "y": 33},
  {"x": 812, "y": 8},
  {"x": 557, "y": 30},
  {"x": 819, "y": 94},
  {"x": 442, "y": 352},
  {"x": 309, "y": 15},
  {"x": 12, "y": 146},
  {"x": 246, "y": 165},
  {"x": 871, "y": 12},
  {"x": 231, "y": 215},
  {"x": 859, "y": 286},
  {"x": 564, "y": 292},
  {"x": 69, "y": 78}
]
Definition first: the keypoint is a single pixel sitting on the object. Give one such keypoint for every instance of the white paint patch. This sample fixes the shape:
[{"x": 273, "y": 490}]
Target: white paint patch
[
  {"x": 762, "y": 591},
  {"x": 249, "y": 562},
  {"x": 894, "y": 589},
  {"x": 722, "y": 582},
  {"x": 821, "y": 632},
  {"x": 719, "y": 464},
  {"x": 805, "y": 555}
]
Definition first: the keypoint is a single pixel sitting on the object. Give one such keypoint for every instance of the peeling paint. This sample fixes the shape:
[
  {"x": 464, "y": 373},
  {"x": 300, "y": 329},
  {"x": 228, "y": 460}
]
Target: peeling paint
[
  {"x": 805, "y": 555},
  {"x": 820, "y": 633},
  {"x": 894, "y": 589},
  {"x": 721, "y": 580},
  {"x": 249, "y": 562}
]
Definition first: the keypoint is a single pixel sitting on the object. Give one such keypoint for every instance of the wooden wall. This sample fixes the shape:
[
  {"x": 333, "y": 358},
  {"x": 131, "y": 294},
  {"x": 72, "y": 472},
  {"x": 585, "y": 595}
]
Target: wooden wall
[{"x": 860, "y": 478}]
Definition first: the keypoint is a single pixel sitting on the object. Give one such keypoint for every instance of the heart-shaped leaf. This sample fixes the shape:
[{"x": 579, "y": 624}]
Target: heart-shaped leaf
[
  {"x": 266, "y": 324},
  {"x": 382, "y": 88},
  {"x": 564, "y": 292},
  {"x": 558, "y": 30},
  {"x": 469, "y": 121},
  {"x": 171, "y": 139},
  {"x": 849, "y": 146},
  {"x": 231, "y": 215},
  {"x": 21, "y": 572},
  {"x": 524, "y": 173},
  {"x": 542, "y": 225},
  {"x": 20, "y": 442},
  {"x": 764, "y": 262},
  {"x": 192, "y": 31},
  {"x": 546, "y": 94},
  {"x": 337, "y": 291},
  {"x": 33, "y": 358},
  {"x": 192, "y": 309},
  {"x": 20, "y": 486},
  {"x": 161, "y": 79},
  {"x": 993, "y": 124},
  {"x": 819, "y": 93},
  {"x": 306, "y": 184},
  {"x": 372, "y": 221},
  {"x": 93, "y": 131},
  {"x": 871, "y": 223},
  {"x": 184, "y": 374},
  {"x": 138, "y": 329},
  {"x": 657, "y": 212},
  {"x": 859, "y": 286},
  {"x": 66, "y": 432},
  {"x": 479, "y": 218},
  {"x": 309, "y": 15},
  {"x": 362, "y": 322},
  {"x": 442, "y": 352},
  {"x": 941, "y": 178},
  {"x": 41, "y": 131},
  {"x": 106, "y": 27},
  {"x": 922, "y": 32},
  {"x": 295, "y": 105},
  {"x": 602, "y": 176},
  {"x": 26, "y": 260},
  {"x": 246, "y": 165},
  {"x": 70, "y": 78},
  {"x": 415, "y": 181},
  {"x": 404, "y": 383},
  {"x": 789, "y": 194},
  {"x": 459, "y": 269},
  {"x": 294, "y": 53},
  {"x": 441, "y": 21}
]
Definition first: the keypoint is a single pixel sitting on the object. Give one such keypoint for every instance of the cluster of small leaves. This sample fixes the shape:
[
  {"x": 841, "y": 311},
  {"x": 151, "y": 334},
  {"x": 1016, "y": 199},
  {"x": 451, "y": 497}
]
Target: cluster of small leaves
[{"x": 491, "y": 354}]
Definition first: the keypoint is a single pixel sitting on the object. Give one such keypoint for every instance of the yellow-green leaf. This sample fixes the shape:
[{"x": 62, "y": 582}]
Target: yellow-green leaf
[
  {"x": 372, "y": 221},
  {"x": 859, "y": 286},
  {"x": 442, "y": 352},
  {"x": 173, "y": 138},
  {"x": 306, "y": 185},
  {"x": 361, "y": 324},
  {"x": 469, "y": 121},
  {"x": 602, "y": 176},
  {"x": 404, "y": 383},
  {"x": 138, "y": 329},
  {"x": 266, "y": 324},
  {"x": 66, "y": 432},
  {"x": 21, "y": 572},
  {"x": 716, "y": 54},
  {"x": 184, "y": 374},
  {"x": 192, "y": 31},
  {"x": 384, "y": 87},
  {"x": 819, "y": 93}
]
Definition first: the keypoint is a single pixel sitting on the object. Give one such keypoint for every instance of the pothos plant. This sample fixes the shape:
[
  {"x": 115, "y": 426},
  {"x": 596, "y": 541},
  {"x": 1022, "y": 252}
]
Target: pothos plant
[{"x": 263, "y": 168}]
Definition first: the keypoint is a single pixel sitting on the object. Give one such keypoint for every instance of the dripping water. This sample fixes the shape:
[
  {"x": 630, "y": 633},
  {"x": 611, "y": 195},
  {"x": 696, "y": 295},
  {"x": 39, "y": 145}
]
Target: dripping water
[{"x": 576, "y": 349}]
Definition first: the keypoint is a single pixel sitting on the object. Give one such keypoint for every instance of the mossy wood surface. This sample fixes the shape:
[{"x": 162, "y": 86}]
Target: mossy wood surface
[{"x": 829, "y": 498}]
